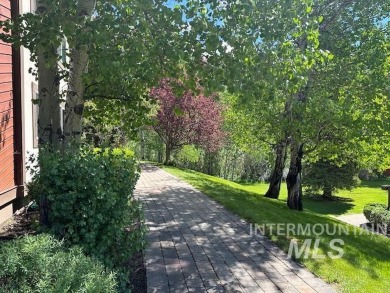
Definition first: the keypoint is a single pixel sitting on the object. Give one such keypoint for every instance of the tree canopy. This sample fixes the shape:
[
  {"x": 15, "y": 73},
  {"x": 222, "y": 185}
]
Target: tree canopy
[
  {"x": 307, "y": 80},
  {"x": 312, "y": 74},
  {"x": 186, "y": 118}
]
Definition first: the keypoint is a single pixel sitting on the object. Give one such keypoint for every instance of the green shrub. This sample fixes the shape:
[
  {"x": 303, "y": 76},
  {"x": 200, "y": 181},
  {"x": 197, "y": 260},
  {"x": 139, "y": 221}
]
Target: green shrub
[
  {"x": 41, "y": 264},
  {"x": 189, "y": 156},
  {"x": 90, "y": 195},
  {"x": 377, "y": 214},
  {"x": 118, "y": 152},
  {"x": 189, "y": 153}
]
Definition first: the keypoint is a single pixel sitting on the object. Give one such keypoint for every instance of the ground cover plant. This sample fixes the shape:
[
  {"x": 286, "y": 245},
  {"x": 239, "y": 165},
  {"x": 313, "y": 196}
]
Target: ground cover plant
[
  {"x": 43, "y": 264},
  {"x": 365, "y": 264}
]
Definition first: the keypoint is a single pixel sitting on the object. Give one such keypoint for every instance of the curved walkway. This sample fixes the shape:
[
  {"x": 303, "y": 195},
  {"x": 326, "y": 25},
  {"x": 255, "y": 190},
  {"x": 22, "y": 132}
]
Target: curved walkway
[
  {"x": 196, "y": 245},
  {"x": 358, "y": 220}
]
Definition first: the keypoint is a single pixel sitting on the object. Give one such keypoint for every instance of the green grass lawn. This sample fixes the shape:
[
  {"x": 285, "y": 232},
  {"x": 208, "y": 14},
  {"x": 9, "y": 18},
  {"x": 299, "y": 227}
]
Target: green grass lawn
[
  {"x": 352, "y": 202},
  {"x": 365, "y": 265}
]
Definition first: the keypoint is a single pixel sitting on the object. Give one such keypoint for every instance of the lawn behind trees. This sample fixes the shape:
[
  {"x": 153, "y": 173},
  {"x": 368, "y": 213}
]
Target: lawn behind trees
[
  {"x": 347, "y": 202},
  {"x": 365, "y": 265}
]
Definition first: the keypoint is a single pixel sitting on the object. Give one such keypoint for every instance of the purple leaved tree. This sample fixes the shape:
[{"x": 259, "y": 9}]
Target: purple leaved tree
[{"x": 186, "y": 118}]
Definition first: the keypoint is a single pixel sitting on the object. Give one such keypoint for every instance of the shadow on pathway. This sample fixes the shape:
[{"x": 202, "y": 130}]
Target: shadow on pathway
[{"x": 196, "y": 245}]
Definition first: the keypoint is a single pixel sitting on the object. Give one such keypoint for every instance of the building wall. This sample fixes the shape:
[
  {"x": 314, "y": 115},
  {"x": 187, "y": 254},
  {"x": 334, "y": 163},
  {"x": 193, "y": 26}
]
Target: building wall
[
  {"x": 29, "y": 88},
  {"x": 7, "y": 163},
  {"x": 16, "y": 114}
]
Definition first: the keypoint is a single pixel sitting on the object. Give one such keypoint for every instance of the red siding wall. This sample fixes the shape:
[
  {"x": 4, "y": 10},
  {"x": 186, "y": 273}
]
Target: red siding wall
[{"x": 7, "y": 161}]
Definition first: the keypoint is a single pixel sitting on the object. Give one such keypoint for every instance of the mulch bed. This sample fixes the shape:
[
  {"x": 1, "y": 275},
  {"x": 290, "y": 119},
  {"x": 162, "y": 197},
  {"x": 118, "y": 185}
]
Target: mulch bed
[
  {"x": 138, "y": 277},
  {"x": 24, "y": 222}
]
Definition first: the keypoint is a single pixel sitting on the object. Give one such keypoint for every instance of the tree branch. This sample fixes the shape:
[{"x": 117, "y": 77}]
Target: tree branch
[{"x": 119, "y": 98}]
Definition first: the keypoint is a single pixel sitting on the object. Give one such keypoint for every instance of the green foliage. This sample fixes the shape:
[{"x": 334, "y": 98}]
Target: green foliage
[
  {"x": 133, "y": 44},
  {"x": 116, "y": 152},
  {"x": 42, "y": 264},
  {"x": 129, "y": 44},
  {"x": 377, "y": 214},
  {"x": 365, "y": 254},
  {"x": 188, "y": 155},
  {"x": 229, "y": 163},
  {"x": 328, "y": 177},
  {"x": 90, "y": 196},
  {"x": 254, "y": 169},
  {"x": 308, "y": 71}
]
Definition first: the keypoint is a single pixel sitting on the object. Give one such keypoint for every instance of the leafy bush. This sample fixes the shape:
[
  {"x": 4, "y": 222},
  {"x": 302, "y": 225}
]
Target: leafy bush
[
  {"x": 117, "y": 152},
  {"x": 189, "y": 156},
  {"x": 90, "y": 199},
  {"x": 254, "y": 169},
  {"x": 41, "y": 264},
  {"x": 377, "y": 214}
]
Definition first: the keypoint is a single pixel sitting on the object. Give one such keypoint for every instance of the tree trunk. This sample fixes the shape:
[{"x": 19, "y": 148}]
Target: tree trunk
[
  {"x": 74, "y": 106},
  {"x": 49, "y": 119},
  {"x": 142, "y": 145},
  {"x": 294, "y": 187},
  {"x": 167, "y": 155},
  {"x": 277, "y": 173},
  {"x": 210, "y": 161},
  {"x": 225, "y": 167},
  {"x": 49, "y": 122},
  {"x": 327, "y": 192},
  {"x": 159, "y": 156}
]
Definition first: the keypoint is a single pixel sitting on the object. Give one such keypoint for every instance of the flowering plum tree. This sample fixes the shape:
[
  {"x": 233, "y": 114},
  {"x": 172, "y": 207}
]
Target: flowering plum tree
[{"x": 186, "y": 118}]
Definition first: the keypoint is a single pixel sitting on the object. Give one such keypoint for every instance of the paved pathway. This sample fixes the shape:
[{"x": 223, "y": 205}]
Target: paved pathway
[
  {"x": 358, "y": 220},
  {"x": 195, "y": 245}
]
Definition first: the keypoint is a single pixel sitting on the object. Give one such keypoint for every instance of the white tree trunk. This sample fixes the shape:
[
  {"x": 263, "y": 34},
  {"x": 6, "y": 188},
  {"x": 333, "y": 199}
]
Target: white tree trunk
[
  {"x": 74, "y": 105},
  {"x": 49, "y": 120}
]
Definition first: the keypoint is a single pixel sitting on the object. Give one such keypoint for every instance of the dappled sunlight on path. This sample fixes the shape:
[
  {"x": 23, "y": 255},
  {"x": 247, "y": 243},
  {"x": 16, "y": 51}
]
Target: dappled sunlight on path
[{"x": 196, "y": 245}]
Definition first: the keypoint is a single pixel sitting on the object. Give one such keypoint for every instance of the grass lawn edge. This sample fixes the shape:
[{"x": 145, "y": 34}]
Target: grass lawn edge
[{"x": 365, "y": 265}]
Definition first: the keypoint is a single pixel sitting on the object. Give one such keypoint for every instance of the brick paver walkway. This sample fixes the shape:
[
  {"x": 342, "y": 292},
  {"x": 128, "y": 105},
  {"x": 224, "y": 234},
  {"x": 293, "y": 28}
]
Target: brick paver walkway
[{"x": 195, "y": 245}]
